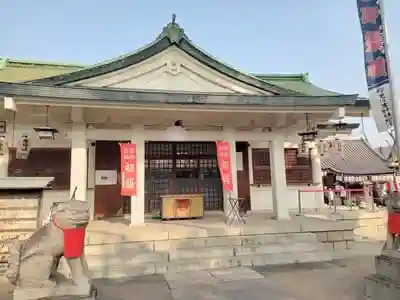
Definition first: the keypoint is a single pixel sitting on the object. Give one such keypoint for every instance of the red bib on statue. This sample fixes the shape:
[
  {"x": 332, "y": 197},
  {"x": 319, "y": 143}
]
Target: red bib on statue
[
  {"x": 394, "y": 223},
  {"x": 74, "y": 242}
]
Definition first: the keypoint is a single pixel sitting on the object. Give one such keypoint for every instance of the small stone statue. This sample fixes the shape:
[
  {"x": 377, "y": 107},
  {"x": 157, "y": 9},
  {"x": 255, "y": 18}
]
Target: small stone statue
[
  {"x": 33, "y": 263},
  {"x": 392, "y": 244}
]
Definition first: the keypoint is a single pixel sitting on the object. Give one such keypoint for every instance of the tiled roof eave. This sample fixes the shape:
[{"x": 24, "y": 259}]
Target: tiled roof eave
[
  {"x": 333, "y": 170},
  {"x": 67, "y": 93}
]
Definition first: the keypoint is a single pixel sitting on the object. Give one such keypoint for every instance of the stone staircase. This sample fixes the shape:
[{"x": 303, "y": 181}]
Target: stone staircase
[{"x": 174, "y": 255}]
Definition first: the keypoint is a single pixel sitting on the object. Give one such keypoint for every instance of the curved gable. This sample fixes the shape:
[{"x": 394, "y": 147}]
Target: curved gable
[{"x": 172, "y": 35}]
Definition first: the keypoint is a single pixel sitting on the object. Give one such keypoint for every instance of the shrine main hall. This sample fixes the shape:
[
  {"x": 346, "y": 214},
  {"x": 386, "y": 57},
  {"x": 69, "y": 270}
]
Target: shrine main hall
[{"x": 174, "y": 101}]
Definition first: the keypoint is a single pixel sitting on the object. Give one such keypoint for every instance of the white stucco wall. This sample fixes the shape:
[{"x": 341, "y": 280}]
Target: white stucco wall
[
  {"x": 308, "y": 195},
  {"x": 261, "y": 198}
]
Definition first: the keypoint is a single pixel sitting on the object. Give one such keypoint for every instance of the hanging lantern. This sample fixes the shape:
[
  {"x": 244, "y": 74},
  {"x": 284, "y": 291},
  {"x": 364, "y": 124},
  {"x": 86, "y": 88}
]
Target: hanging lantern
[
  {"x": 303, "y": 150},
  {"x": 46, "y": 132},
  {"x": 337, "y": 146},
  {"x": 23, "y": 148},
  {"x": 176, "y": 132},
  {"x": 310, "y": 134},
  {"x": 323, "y": 147}
]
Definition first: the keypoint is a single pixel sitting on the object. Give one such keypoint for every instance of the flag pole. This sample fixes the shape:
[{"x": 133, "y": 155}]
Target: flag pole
[{"x": 395, "y": 104}]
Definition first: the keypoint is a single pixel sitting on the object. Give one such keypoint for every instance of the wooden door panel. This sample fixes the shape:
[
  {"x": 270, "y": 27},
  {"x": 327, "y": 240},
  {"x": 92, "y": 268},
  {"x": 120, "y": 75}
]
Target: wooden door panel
[
  {"x": 108, "y": 199},
  {"x": 108, "y": 202},
  {"x": 243, "y": 176}
]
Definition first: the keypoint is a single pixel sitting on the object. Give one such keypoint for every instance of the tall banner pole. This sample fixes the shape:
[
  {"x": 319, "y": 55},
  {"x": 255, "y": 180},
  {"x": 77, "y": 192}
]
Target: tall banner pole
[
  {"x": 395, "y": 104},
  {"x": 385, "y": 110}
]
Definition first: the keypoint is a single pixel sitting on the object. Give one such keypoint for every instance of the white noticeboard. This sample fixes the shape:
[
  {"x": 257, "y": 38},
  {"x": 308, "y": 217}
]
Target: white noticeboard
[{"x": 106, "y": 177}]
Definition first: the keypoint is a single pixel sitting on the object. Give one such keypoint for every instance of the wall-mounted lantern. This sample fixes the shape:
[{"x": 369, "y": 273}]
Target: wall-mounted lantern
[
  {"x": 3, "y": 145},
  {"x": 24, "y": 147}
]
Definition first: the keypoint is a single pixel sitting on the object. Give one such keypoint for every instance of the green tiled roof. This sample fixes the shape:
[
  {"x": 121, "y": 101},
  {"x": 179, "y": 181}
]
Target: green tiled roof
[
  {"x": 12, "y": 70},
  {"x": 295, "y": 82}
]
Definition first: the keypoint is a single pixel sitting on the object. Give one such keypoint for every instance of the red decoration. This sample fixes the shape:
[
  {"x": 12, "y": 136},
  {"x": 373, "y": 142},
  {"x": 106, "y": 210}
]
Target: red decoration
[
  {"x": 128, "y": 169},
  {"x": 370, "y": 14},
  {"x": 373, "y": 41},
  {"x": 394, "y": 223},
  {"x": 377, "y": 68},
  {"x": 74, "y": 242},
  {"x": 224, "y": 164}
]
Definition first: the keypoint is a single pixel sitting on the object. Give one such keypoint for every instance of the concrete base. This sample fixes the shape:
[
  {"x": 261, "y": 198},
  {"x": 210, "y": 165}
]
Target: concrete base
[
  {"x": 85, "y": 291},
  {"x": 378, "y": 287},
  {"x": 385, "y": 284}
]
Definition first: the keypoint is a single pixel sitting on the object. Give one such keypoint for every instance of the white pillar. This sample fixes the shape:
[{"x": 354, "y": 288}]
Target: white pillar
[
  {"x": 278, "y": 178},
  {"x": 317, "y": 176},
  {"x": 250, "y": 161},
  {"x": 229, "y": 136},
  {"x": 137, "y": 202},
  {"x": 79, "y": 161},
  {"x": 4, "y": 158}
]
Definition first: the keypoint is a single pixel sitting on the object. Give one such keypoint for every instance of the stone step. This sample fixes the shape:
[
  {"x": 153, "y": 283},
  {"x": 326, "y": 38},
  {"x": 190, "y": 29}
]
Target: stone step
[
  {"x": 266, "y": 239},
  {"x": 138, "y": 258},
  {"x": 378, "y": 287},
  {"x": 388, "y": 266},
  {"x": 136, "y": 269},
  {"x": 195, "y": 243},
  {"x": 216, "y": 252},
  {"x": 126, "y": 251},
  {"x": 115, "y": 248}
]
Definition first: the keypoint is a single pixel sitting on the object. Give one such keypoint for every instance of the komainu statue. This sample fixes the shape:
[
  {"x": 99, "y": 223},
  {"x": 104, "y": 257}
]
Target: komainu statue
[
  {"x": 392, "y": 244},
  {"x": 33, "y": 263}
]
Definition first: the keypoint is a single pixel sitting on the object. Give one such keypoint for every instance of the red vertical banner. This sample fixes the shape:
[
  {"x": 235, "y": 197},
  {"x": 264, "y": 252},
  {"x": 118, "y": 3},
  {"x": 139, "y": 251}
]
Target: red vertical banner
[
  {"x": 128, "y": 169},
  {"x": 224, "y": 164}
]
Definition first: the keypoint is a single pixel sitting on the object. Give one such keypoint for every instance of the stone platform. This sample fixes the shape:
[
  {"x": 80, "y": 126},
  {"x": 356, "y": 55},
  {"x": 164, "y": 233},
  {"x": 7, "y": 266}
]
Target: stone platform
[
  {"x": 385, "y": 283},
  {"x": 115, "y": 249}
]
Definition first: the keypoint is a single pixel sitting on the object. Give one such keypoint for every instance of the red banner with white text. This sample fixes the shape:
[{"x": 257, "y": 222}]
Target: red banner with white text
[
  {"x": 224, "y": 164},
  {"x": 128, "y": 169}
]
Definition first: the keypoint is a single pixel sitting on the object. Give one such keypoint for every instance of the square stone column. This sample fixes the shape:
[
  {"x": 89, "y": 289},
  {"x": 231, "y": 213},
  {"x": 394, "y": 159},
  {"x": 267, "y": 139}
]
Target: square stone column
[
  {"x": 137, "y": 202},
  {"x": 79, "y": 155},
  {"x": 229, "y": 136},
  {"x": 317, "y": 176},
  {"x": 278, "y": 178}
]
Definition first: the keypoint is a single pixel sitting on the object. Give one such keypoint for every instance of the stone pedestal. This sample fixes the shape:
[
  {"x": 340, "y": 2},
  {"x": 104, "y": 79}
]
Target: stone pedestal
[{"x": 385, "y": 284}]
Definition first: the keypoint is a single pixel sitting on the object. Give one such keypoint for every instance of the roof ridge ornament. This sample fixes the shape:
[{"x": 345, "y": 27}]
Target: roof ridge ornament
[{"x": 173, "y": 31}]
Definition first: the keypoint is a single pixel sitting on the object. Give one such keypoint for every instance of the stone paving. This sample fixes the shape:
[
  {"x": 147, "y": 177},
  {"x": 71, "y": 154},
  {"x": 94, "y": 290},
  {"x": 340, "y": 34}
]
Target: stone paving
[{"x": 341, "y": 279}]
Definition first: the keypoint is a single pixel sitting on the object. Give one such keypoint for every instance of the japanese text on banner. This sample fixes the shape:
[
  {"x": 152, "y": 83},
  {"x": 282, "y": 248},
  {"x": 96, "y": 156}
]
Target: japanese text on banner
[
  {"x": 376, "y": 62},
  {"x": 128, "y": 169},
  {"x": 224, "y": 164}
]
